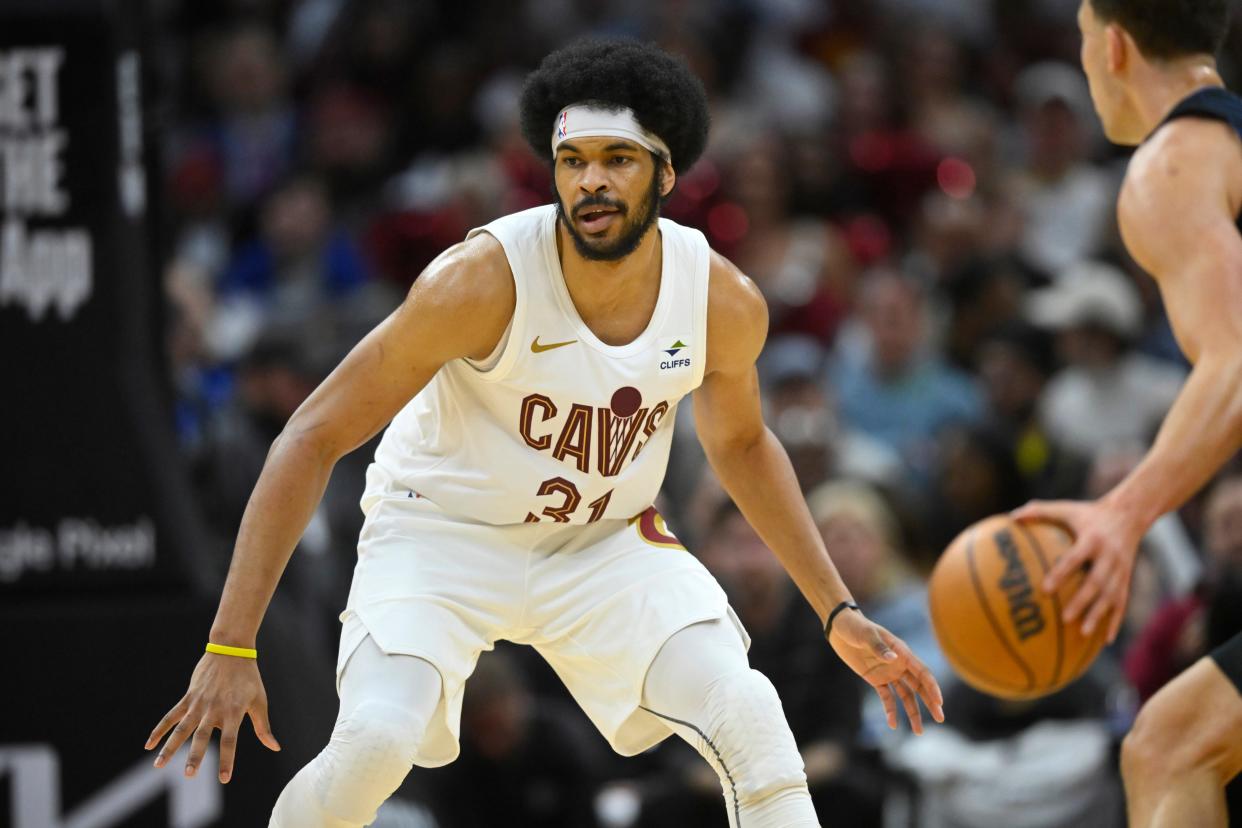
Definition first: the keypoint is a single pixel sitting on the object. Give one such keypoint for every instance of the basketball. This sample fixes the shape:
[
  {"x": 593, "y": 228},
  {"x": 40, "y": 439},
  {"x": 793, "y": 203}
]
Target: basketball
[{"x": 998, "y": 629}]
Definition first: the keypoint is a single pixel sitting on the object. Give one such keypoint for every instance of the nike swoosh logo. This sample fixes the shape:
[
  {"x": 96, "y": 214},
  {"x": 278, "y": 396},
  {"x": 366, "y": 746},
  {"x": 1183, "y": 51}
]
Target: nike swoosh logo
[{"x": 539, "y": 349}]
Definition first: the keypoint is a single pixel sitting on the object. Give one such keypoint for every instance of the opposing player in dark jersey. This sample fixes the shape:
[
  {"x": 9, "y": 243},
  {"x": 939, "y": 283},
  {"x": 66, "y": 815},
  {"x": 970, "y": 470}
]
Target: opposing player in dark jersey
[{"x": 1152, "y": 69}]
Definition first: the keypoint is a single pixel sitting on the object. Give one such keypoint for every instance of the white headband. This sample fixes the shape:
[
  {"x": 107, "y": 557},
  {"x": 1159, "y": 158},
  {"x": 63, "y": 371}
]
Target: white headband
[{"x": 587, "y": 120}]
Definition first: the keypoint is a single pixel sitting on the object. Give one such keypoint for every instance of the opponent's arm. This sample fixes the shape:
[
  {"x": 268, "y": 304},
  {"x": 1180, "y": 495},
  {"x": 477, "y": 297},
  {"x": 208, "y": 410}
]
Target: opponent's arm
[
  {"x": 755, "y": 470},
  {"x": 1177, "y": 215},
  {"x": 1180, "y": 218},
  {"x": 458, "y": 307}
]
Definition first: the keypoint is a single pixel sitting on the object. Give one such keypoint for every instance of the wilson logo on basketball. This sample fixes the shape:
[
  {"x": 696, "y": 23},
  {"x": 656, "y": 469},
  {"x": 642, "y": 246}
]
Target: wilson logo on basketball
[
  {"x": 998, "y": 630},
  {"x": 589, "y": 437},
  {"x": 1024, "y": 610}
]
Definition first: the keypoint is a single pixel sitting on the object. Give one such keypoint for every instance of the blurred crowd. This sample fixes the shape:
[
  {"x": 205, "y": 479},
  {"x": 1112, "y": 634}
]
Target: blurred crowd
[{"x": 921, "y": 190}]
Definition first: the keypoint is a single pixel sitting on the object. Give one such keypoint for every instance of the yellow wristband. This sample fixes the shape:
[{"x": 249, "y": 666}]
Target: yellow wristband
[{"x": 240, "y": 652}]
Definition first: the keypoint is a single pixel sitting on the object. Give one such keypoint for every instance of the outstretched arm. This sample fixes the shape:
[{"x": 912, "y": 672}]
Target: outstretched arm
[
  {"x": 1177, "y": 214},
  {"x": 755, "y": 470},
  {"x": 459, "y": 307}
]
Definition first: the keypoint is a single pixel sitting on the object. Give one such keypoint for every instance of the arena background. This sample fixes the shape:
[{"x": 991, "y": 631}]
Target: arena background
[{"x": 204, "y": 205}]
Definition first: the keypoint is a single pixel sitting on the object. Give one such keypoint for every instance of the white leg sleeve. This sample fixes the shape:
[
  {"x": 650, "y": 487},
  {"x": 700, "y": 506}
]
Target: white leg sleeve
[
  {"x": 386, "y": 703},
  {"x": 702, "y": 686}
]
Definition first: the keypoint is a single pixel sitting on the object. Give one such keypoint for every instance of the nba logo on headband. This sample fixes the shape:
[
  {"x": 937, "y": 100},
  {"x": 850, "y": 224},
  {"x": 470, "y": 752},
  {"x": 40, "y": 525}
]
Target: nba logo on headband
[{"x": 598, "y": 120}]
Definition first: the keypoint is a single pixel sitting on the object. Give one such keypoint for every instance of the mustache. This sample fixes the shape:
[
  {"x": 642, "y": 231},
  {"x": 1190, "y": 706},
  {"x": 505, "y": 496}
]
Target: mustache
[{"x": 598, "y": 201}]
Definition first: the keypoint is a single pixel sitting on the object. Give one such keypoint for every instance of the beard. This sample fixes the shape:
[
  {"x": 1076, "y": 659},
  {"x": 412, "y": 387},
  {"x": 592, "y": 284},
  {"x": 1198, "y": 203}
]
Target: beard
[{"x": 632, "y": 229}]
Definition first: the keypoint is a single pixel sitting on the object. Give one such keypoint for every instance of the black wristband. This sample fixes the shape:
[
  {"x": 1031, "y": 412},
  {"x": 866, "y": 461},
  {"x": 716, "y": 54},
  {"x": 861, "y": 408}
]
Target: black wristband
[{"x": 832, "y": 616}]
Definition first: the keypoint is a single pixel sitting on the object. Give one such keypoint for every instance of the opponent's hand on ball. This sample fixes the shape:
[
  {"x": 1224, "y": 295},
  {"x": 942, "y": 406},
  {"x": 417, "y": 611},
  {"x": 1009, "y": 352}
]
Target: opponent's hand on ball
[
  {"x": 1105, "y": 542},
  {"x": 887, "y": 664}
]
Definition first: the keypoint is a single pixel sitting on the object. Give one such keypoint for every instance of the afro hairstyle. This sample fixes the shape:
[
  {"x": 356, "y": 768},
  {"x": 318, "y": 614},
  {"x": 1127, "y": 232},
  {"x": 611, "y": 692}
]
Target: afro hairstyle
[{"x": 664, "y": 94}]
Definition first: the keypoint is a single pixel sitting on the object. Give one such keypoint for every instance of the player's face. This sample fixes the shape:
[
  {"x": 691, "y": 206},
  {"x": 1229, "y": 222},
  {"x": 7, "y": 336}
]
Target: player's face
[
  {"x": 608, "y": 195},
  {"x": 1093, "y": 53},
  {"x": 1106, "y": 92}
]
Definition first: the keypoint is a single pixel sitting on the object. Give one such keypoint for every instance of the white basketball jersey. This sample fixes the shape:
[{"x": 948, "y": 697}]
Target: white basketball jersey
[{"x": 558, "y": 426}]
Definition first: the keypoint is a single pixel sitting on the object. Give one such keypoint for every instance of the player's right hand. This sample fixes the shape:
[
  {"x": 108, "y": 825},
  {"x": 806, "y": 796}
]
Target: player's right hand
[
  {"x": 1106, "y": 542},
  {"x": 223, "y": 690}
]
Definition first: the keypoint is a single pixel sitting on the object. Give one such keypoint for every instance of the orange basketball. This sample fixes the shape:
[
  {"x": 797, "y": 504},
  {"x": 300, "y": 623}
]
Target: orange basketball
[{"x": 998, "y": 629}]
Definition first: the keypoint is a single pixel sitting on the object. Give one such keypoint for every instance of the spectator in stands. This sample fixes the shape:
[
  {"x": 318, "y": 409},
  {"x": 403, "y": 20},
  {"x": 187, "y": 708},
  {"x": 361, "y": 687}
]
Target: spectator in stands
[
  {"x": 801, "y": 263},
  {"x": 805, "y": 419},
  {"x": 1107, "y": 395},
  {"x": 349, "y": 137},
  {"x": 1015, "y": 363},
  {"x": 985, "y": 294},
  {"x": 975, "y": 476},
  {"x": 298, "y": 273},
  {"x": 889, "y": 166},
  {"x": 949, "y": 233},
  {"x": 942, "y": 107},
  {"x": 1068, "y": 202},
  {"x": 271, "y": 381},
  {"x": 891, "y": 384},
  {"x": 252, "y": 138}
]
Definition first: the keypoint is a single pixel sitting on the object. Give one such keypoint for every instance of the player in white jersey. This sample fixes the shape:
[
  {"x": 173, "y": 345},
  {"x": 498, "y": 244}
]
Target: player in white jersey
[{"x": 534, "y": 371}]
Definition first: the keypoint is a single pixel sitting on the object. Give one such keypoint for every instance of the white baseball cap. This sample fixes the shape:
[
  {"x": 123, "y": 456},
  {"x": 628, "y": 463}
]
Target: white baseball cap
[{"x": 1089, "y": 293}]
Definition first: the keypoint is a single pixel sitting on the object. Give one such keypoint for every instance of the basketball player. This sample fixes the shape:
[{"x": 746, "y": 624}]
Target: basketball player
[
  {"x": 1152, "y": 70},
  {"x": 534, "y": 372}
]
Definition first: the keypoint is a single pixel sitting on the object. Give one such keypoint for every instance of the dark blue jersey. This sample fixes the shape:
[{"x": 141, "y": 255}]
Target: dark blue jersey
[{"x": 1211, "y": 102}]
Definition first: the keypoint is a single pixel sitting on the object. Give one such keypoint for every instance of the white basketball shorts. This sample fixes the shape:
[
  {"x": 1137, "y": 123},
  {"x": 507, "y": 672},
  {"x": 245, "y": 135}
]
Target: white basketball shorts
[{"x": 596, "y": 601}]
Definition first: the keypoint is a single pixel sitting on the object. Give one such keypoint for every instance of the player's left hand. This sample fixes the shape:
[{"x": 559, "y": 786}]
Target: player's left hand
[
  {"x": 1106, "y": 542},
  {"x": 887, "y": 664}
]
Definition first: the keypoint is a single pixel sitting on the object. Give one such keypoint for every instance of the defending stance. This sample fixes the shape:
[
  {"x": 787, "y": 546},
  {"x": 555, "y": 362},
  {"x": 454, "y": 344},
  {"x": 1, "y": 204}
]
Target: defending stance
[{"x": 534, "y": 372}]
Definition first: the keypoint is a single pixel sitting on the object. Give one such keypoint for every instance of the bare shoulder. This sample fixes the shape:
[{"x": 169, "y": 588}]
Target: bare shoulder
[
  {"x": 1183, "y": 181},
  {"x": 1196, "y": 151},
  {"x": 466, "y": 295},
  {"x": 737, "y": 317},
  {"x": 474, "y": 272}
]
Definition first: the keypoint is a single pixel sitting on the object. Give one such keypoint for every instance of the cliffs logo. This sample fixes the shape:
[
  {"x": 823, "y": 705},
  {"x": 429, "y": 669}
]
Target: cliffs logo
[{"x": 672, "y": 361}]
